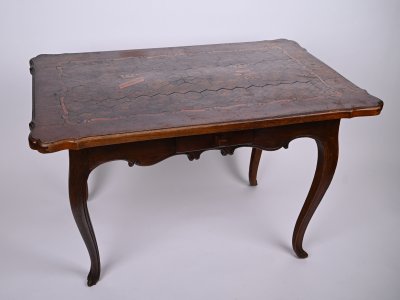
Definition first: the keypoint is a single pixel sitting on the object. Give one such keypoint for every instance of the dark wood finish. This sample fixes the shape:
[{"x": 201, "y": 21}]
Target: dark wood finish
[
  {"x": 95, "y": 99},
  {"x": 254, "y": 162},
  {"x": 143, "y": 106},
  {"x": 146, "y": 153},
  {"x": 328, "y": 153},
  {"x": 78, "y": 194}
]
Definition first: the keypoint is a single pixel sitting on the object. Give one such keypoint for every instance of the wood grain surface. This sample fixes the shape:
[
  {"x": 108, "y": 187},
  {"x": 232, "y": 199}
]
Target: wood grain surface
[{"x": 94, "y": 99}]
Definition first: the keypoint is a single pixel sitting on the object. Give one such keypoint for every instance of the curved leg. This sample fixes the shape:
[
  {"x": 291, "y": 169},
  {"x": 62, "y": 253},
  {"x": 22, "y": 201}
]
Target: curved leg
[
  {"x": 328, "y": 151},
  {"x": 78, "y": 194},
  {"x": 254, "y": 162}
]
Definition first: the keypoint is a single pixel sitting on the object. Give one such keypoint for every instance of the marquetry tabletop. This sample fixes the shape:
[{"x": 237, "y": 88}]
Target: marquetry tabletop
[{"x": 86, "y": 99}]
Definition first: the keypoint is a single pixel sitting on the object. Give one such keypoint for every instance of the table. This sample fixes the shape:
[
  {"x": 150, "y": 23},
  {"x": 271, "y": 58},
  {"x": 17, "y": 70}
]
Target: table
[{"x": 144, "y": 106}]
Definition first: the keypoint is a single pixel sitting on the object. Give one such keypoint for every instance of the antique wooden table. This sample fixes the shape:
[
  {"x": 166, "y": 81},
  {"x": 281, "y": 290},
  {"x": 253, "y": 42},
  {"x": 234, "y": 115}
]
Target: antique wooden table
[{"x": 144, "y": 106}]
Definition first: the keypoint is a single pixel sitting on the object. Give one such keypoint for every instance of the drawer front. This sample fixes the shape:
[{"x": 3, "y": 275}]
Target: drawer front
[{"x": 213, "y": 141}]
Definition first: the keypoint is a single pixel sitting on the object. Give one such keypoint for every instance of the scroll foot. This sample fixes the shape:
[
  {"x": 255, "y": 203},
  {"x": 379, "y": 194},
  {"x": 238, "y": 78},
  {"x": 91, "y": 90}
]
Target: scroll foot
[
  {"x": 93, "y": 277},
  {"x": 254, "y": 162},
  {"x": 328, "y": 152}
]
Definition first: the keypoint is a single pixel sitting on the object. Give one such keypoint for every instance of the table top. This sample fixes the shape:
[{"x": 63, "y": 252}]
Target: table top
[{"x": 101, "y": 98}]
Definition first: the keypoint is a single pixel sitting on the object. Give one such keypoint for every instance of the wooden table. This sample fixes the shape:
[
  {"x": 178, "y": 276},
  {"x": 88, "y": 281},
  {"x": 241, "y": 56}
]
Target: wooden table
[{"x": 144, "y": 106}]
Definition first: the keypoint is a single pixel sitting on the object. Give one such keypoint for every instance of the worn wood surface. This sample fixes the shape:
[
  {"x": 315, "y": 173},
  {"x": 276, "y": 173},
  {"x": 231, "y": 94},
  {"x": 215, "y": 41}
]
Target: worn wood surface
[
  {"x": 144, "y": 106},
  {"x": 94, "y": 99}
]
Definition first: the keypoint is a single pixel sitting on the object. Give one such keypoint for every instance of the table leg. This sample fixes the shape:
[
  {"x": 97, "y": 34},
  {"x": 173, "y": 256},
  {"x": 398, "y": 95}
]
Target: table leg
[
  {"x": 82, "y": 162},
  {"x": 254, "y": 162},
  {"x": 325, "y": 134},
  {"x": 328, "y": 151},
  {"x": 78, "y": 194}
]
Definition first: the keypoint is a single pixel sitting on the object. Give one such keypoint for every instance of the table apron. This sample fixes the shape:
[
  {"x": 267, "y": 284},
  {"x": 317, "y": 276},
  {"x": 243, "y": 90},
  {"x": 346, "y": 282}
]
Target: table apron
[{"x": 153, "y": 151}]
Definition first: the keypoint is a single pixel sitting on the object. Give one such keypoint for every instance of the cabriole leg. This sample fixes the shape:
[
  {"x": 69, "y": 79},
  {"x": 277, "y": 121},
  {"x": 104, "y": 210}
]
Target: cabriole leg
[
  {"x": 78, "y": 195},
  {"x": 254, "y": 162},
  {"x": 328, "y": 151}
]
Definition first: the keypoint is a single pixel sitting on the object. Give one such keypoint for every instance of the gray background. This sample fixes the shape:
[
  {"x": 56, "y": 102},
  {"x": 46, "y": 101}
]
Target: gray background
[{"x": 196, "y": 230}]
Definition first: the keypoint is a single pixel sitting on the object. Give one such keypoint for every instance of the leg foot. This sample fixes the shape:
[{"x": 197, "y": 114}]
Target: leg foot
[
  {"x": 93, "y": 277},
  {"x": 300, "y": 253},
  {"x": 78, "y": 194},
  {"x": 254, "y": 162},
  {"x": 328, "y": 152}
]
